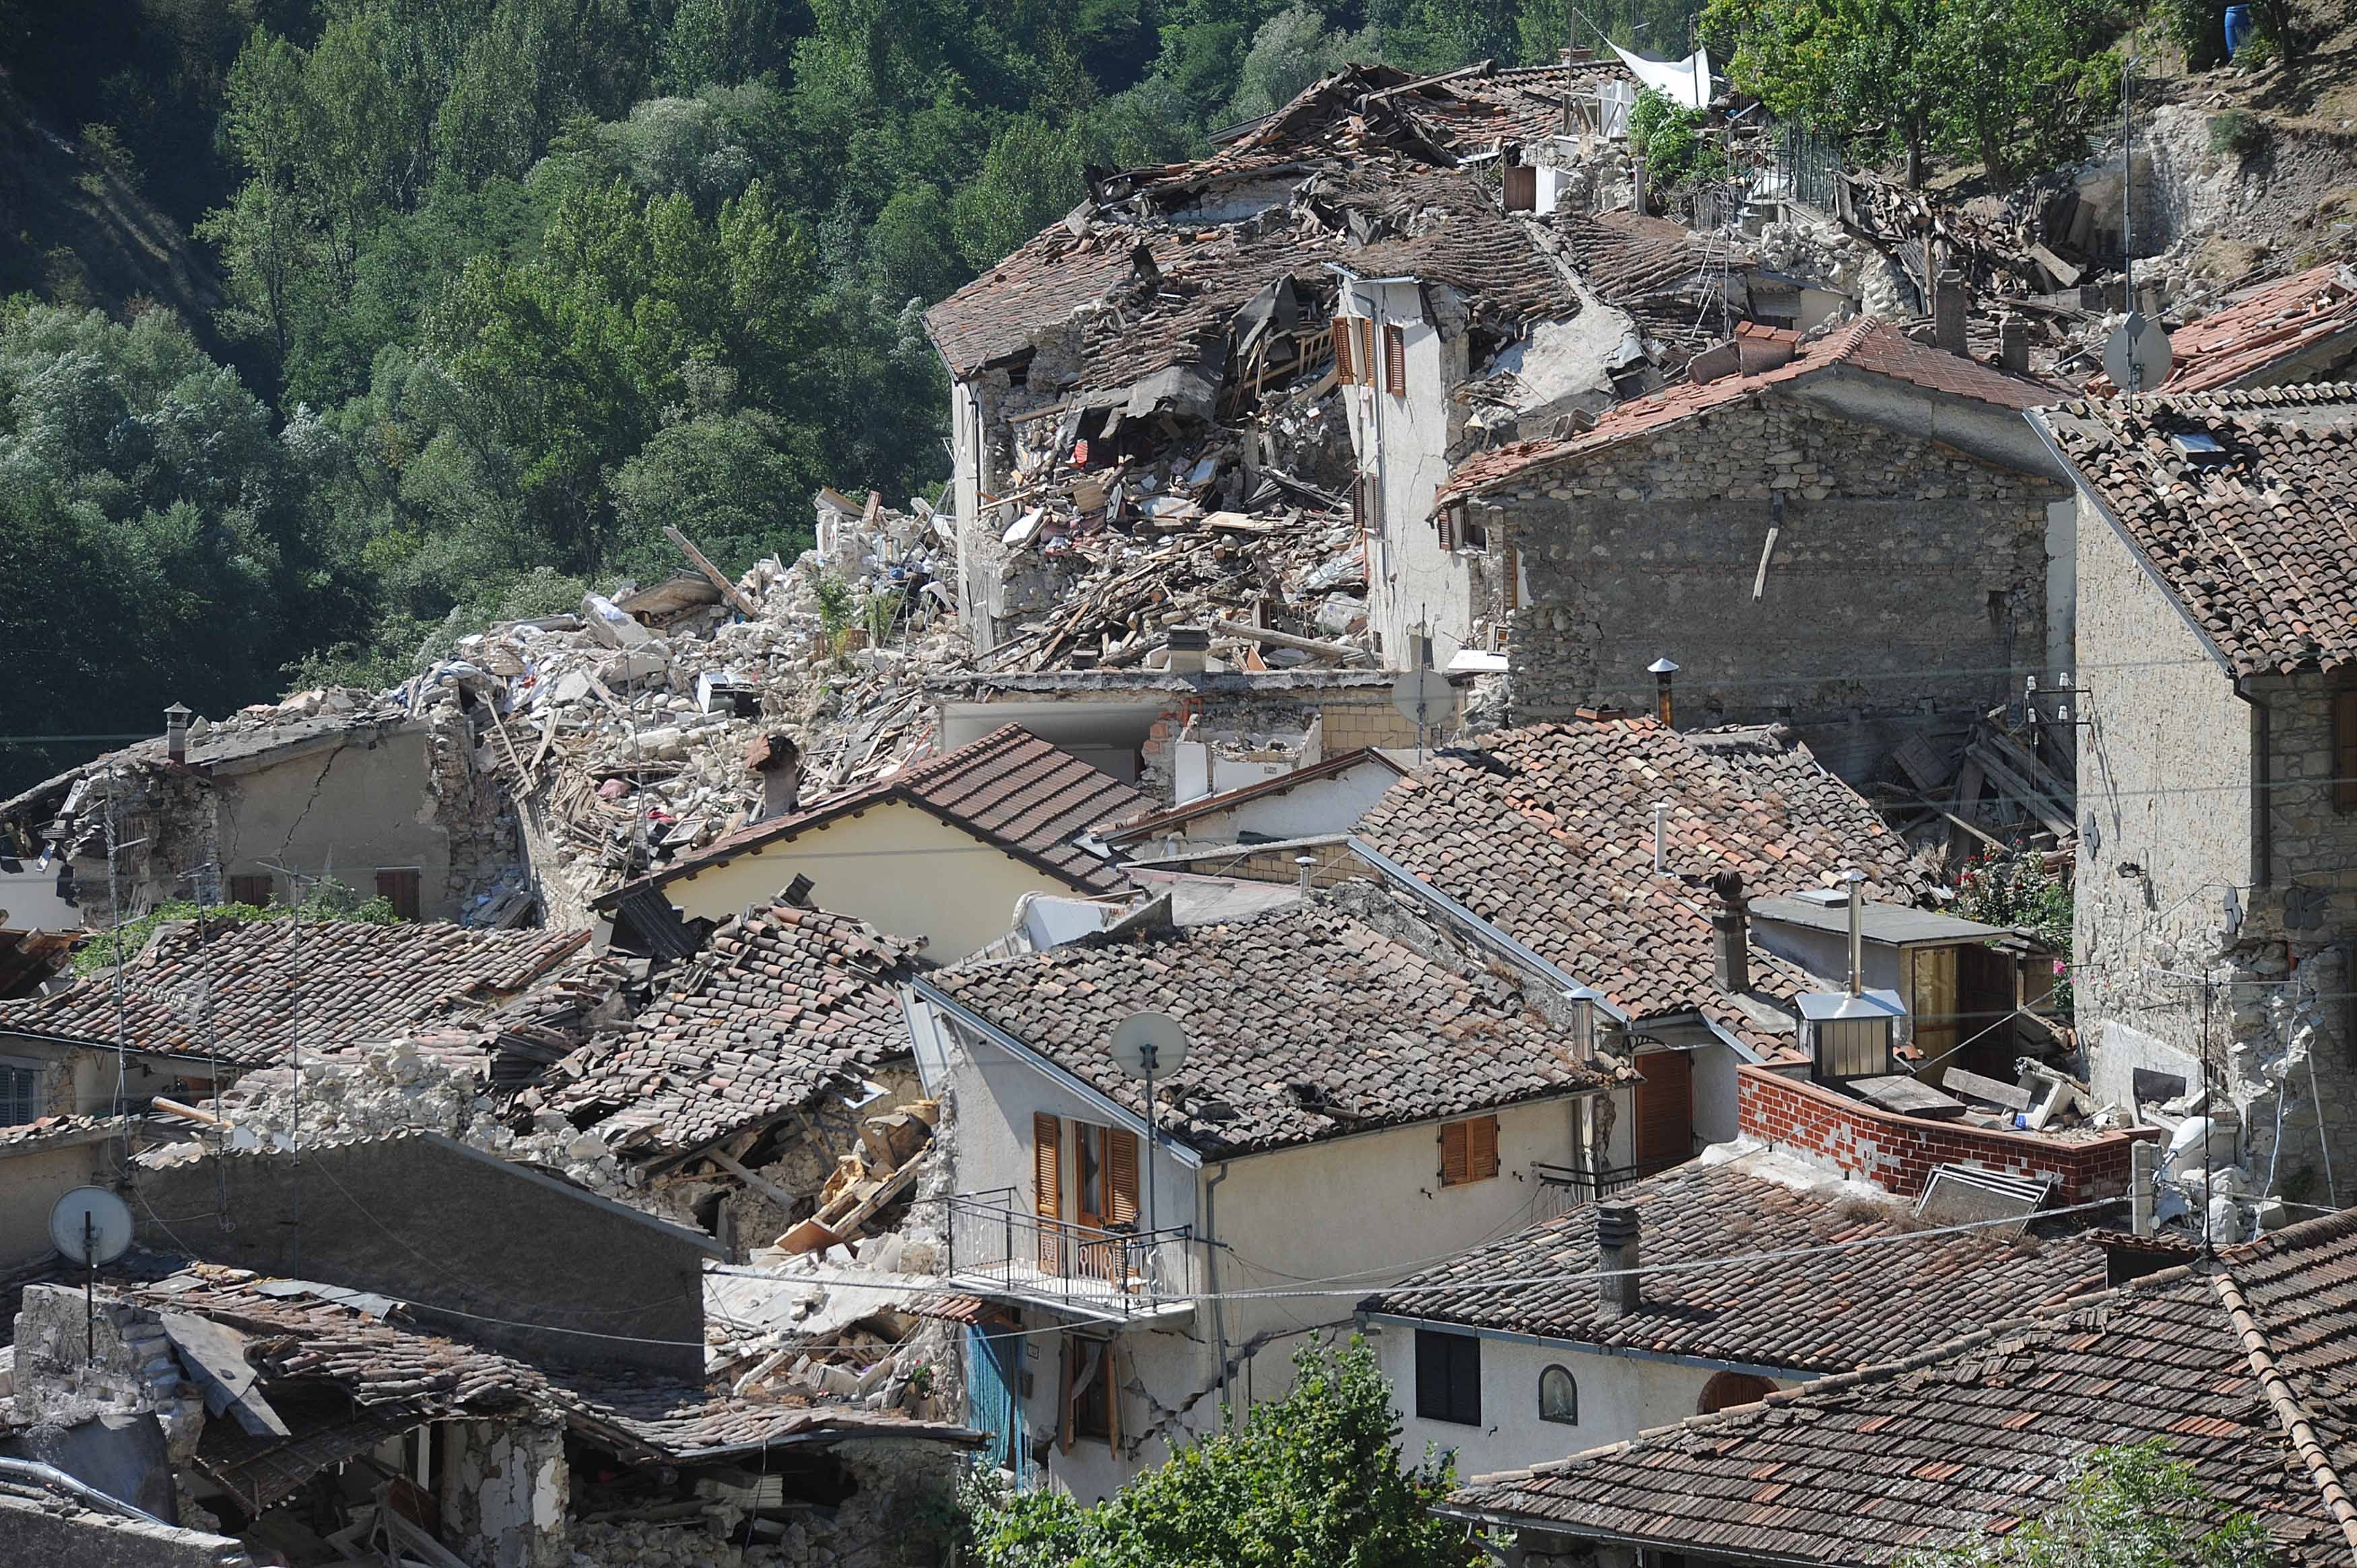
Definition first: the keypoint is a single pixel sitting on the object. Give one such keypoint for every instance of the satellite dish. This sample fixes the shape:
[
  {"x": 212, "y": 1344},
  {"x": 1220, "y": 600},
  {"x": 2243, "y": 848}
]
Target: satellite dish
[
  {"x": 1149, "y": 1044},
  {"x": 2136, "y": 356},
  {"x": 1421, "y": 696},
  {"x": 90, "y": 1225}
]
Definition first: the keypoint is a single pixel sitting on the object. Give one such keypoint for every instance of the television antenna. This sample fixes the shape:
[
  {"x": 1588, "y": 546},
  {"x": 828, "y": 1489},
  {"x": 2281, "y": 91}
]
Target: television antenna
[
  {"x": 89, "y": 1226},
  {"x": 1147, "y": 1044}
]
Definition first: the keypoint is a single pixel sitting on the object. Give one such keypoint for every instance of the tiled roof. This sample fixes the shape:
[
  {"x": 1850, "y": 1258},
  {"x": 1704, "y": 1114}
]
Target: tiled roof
[
  {"x": 782, "y": 1004},
  {"x": 1010, "y": 788},
  {"x": 1822, "y": 1312},
  {"x": 2258, "y": 542},
  {"x": 341, "y": 981},
  {"x": 1867, "y": 346},
  {"x": 301, "y": 1336},
  {"x": 2258, "y": 331},
  {"x": 1654, "y": 269},
  {"x": 54, "y": 1131},
  {"x": 2242, "y": 1374},
  {"x": 1547, "y": 833},
  {"x": 1304, "y": 1024}
]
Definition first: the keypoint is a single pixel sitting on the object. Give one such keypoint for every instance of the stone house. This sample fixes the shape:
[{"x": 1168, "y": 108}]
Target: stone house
[
  {"x": 389, "y": 799},
  {"x": 1854, "y": 530},
  {"x": 1362, "y": 1088},
  {"x": 941, "y": 851},
  {"x": 2217, "y": 857},
  {"x": 1554, "y": 1361}
]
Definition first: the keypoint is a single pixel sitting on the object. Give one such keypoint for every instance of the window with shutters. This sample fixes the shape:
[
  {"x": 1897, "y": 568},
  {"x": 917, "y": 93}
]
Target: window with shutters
[
  {"x": 399, "y": 886},
  {"x": 1471, "y": 534},
  {"x": 1469, "y": 1151},
  {"x": 1513, "y": 575},
  {"x": 257, "y": 890},
  {"x": 1344, "y": 338},
  {"x": 1365, "y": 326},
  {"x": 20, "y": 1093},
  {"x": 1445, "y": 522},
  {"x": 2344, "y": 749},
  {"x": 1448, "y": 1377},
  {"x": 1394, "y": 359},
  {"x": 1523, "y": 188}
]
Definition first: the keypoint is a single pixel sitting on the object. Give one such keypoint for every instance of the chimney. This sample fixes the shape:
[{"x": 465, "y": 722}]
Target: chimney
[
  {"x": 1663, "y": 669},
  {"x": 176, "y": 733},
  {"x": 1857, "y": 880},
  {"x": 779, "y": 762},
  {"x": 1730, "y": 926},
  {"x": 1619, "y": 1292},
  {"x": 1308, "y": 863},
  {"x": 1948, "y": 302},
  {"x": 1190, "y": 647},
  {"x": 798, "y": 892},
  {"x": 1662, "y": 810},
  {"x": 2013, "y": 343},
  {"x": 1759, "y": 349}
]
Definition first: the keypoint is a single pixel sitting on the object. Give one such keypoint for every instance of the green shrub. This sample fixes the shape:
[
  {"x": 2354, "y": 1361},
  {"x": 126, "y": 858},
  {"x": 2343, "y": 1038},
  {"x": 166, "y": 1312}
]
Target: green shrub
[{"x": 2237, "y": 132}]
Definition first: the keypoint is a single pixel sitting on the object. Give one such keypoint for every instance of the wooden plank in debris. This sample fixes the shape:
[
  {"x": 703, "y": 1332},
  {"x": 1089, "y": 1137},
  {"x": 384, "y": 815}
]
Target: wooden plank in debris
[
  {"x": 702, "y": 564},
  {"x": 2011, "y": 1096},
  {"x": 1908, "y": 1097},
  {"x": 2064, "y": 275},
  {"x": 1920, "y": 763},
  {"x": 760, "y": 1184},
  {"x": 1342, "y": 650},
  {"x": 2040, "y": 805}
]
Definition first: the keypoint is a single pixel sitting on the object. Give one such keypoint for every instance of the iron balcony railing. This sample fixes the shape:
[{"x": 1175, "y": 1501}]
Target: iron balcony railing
[{"x": 998, "y": 1248}]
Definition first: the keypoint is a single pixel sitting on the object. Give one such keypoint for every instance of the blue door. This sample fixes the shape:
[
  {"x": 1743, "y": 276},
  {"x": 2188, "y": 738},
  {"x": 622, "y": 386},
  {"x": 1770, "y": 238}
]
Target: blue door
[{"x": 991, "y": 1403}]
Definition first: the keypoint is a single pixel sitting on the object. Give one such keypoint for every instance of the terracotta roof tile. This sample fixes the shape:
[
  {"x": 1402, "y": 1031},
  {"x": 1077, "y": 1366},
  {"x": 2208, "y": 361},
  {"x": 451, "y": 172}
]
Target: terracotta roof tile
[
  {"x": 1304, "y": 1024},
  {"x": 1823, "y": 1311},
  {"x": 2165, "y": 1358},
  {"x": 1866, "y": 346},
  {"x": 346, "y": 981},
  {"x": 2258, "y": 541},
  {"x": 2258, "y": 330},
  {"x": 781, "y": 1004},
  {"x": 1547, "y": 833}
]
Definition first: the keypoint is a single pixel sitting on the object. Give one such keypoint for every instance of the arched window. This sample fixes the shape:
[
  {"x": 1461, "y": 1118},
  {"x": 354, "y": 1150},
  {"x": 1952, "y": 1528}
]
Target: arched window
[
  {"x": 1558, "y": 1397},
  {"x": 1728, "y": 1388}
]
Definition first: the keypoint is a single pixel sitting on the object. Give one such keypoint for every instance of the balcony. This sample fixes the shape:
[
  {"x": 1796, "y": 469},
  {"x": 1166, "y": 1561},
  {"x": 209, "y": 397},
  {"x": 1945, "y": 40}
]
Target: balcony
[
  {"x": 1002, "y": 1252},
  {"x": 1562, "y": 1188}
]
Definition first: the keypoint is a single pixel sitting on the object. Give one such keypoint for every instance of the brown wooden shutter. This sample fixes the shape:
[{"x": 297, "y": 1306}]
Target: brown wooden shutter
[
  {"x": 1523, "y": 188},
  {"x": 258, "y": 890},
  {"x": 1342, "y": 361},
  {"x": 1120, "y": 1178},
  {"x": 1664, "y": 1130},
  {"x": 1445, "y": 522},
  {"x": 401, "y": 889},
  {"x": 1482, "y": 1148},
  {"x": 1452, "y": 1154},
  {"x": 2344, "y": 750},
  {"x": 1366, "y": 325},
  {"x": 1514, "y": 578},
  {"x": 1394, "y": 359},
  {"x": 1047, "y": 1185}
]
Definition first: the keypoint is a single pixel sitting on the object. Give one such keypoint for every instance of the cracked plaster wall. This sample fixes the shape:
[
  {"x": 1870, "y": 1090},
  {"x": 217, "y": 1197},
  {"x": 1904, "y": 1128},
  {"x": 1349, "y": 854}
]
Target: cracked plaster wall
[
  {"x": 1894, "y": 551},
  {"x": 505, "y": 1488}
]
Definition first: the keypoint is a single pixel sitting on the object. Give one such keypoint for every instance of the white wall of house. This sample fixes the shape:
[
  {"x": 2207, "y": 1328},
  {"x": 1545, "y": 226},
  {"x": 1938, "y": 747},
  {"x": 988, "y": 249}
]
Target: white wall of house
[
  {"x": 1329, "y": 805},
  {"x": 904, "y": 871},
  {"x": 1619, "y": 1396},
  {"x": 1402, "y": 437}
]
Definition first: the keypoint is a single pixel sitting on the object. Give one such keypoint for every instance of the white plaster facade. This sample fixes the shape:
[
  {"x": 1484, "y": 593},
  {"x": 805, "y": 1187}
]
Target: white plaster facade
[{"x": 1351, "y": 1213}]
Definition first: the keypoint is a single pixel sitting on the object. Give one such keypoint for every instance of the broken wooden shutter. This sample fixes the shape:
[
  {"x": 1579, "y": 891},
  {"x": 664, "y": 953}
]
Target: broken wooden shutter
[
  {"x": 1047, "y": 1186},
  {"x": 1514, "y": 578},
  {"x": 2344, "y": 750},
  {"x": 1366, "y": 355},
  {"x": 1342, "y": 370},
  {"x": 1445, "y": 521},
  {"x": 401, "y": 889},
  {"x": 1394, "y": 359},
  {"x": 258, "y": 891},
  {"x": 1452, "y": 1154},
  {"x": 1482, "y": 1148},
  {"x": 1523, "y": 188}
]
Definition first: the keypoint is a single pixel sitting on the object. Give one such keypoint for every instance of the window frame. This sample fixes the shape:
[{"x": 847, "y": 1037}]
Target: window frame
[
  {"x": 1448, "y": 1373},
  {"x": 32, "y": 1097}
]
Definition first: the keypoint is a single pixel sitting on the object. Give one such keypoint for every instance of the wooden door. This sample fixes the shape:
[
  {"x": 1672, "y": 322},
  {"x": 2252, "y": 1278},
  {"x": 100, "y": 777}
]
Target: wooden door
[
  {"x": 1931, "y": 998},
  {"x": 1664, "y": 1130}
]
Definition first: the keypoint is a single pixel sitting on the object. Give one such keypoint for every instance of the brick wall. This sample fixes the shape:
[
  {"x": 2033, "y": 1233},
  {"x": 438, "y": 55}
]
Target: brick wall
[{"x": 1898, "y": 1153}]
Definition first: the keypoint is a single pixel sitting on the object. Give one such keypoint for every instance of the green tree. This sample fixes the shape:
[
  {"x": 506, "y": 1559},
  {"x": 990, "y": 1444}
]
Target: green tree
[
  {"x": 1312, "y": 1480},
  {"x": 2122, "y": 1507}
]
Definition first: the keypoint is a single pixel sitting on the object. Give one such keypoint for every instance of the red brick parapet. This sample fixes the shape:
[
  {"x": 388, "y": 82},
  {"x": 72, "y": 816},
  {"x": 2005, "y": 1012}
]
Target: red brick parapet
[{"x": 1898, "y": 1153}]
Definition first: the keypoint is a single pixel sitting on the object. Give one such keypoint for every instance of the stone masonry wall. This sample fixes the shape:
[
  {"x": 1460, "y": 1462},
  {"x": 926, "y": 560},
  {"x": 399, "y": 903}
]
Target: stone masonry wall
[
  {"x": 1898, "y": 1153},
  {"x": 1893, "y": 553}
]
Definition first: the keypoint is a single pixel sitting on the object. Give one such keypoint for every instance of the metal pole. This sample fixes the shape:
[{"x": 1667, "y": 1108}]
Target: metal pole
[
  {"x": 90, "y": 1288},
  {"x": 1151, "y": 1134}
]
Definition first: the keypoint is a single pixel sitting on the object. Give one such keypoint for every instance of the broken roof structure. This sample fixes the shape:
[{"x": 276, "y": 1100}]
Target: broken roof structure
[
  {"x": 1315, "y": 1021},
  {"x": 2241, "y": 1366},
  {"x": 2238, "y": 504},
  {"x": 1548, "y": 833},
  {"x": 2292, "y": 329},
  {"x": 239, "y": 994},
  {"x": 1746, "y": 1277},
  {"x": 783, "y": 1003},
  {"x": 1865, "y": 349}
]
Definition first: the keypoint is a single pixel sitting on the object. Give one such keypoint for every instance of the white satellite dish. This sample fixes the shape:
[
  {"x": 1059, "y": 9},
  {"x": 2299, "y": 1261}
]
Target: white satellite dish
[
  {"x": 1149, "y": 1044},
  {"x": 2136, "y": 356},
  {"x": 91, "y": 1226},
  {"x": 1421, "y": 696}
]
